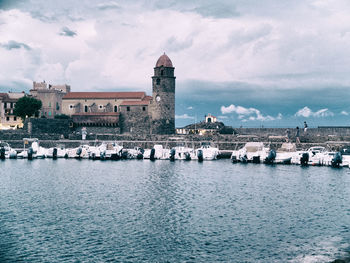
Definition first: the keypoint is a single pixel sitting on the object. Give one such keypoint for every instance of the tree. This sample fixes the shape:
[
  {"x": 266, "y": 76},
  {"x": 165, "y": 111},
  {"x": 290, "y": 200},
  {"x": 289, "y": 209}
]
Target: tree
[{"x": 26, "y": 107}]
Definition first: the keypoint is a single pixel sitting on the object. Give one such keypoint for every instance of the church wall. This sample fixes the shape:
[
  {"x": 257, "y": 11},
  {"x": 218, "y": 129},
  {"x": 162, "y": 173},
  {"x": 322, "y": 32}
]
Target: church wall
[
  {"x": 136, "y": 120},
  {"x": 93, "y": 105}
]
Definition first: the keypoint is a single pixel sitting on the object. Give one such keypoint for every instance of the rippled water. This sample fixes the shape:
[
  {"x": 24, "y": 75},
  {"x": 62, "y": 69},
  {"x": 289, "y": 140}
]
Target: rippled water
[{"x": 132, "y": 211}]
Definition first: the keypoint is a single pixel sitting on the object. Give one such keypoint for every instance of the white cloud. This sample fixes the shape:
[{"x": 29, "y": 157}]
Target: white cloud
[
  {"x": 116, "y": 44},
  {"x": 307, "y": 112},
  {"x": 184, "y": 116},
  {"x": 250, "y": 114},
  {"x": 190, "y": 108},
  {"x": 344, "y": 113}
]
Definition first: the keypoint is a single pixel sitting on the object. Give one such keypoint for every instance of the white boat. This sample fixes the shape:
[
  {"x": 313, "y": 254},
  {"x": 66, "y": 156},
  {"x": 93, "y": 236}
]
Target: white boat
[
  {"x": 81, "y": 152},
  {"x": 345, "y": 153},
  {"x": 254, "y": 152},
  {"x": 318, "y": 156},
  {"x": 182, "y": 152},
  {"x": 57, "y": 152},
  {"x": 38, "y": 151},
  {"x": 157, "y": 152},
  {"x": 287, "y": 154},
  {"x": 136, "y": 153},
  {"x": 207, "y": 152},
  {"x": 6, "y": 152},
  {"x": 110, "y": 151}
]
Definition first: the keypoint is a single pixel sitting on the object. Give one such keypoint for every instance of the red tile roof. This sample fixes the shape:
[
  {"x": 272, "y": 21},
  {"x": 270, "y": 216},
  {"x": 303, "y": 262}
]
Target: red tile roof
[
  {"x": 105, "y": 95},
  {"x": 134, "y": 102},
  {"x": 96, "y": 114}
]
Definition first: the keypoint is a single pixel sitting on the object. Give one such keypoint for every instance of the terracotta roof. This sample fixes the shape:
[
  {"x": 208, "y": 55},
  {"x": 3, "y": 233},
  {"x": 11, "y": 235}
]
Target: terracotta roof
[
  {"x": 96, "y": 114},
  {"x": 149, "y": 98},
  {"x": 134, "y": 102},
  {"x": 105, "y": 95},
  {"x": 164, "y": 61}
]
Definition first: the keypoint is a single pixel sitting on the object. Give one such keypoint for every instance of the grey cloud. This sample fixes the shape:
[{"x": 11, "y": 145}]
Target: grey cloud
[
  {"x": 206, "y": 8},
  {"x": 174, "y": 45},
  {"x": 8, "y": 4},
  {"x": 245, "y": 36},
  {"x": 14, "y": 45},
  {"x": 217, "y": 10},
  {"x": 67, "y": 32},
  {"x": 108, "y": 6}
]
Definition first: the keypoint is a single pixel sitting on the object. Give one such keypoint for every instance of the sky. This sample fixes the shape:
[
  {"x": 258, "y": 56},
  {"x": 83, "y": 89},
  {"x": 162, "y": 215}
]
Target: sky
[{"x": 251, "y": 63}]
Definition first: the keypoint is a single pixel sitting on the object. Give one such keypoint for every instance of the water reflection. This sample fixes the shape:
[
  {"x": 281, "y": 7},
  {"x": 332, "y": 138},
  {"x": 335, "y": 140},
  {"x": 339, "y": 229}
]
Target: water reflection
[{"x": 71, "y": 210}]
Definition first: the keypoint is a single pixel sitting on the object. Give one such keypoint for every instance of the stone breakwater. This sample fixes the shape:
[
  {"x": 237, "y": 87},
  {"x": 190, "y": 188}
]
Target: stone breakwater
[{"x": 332, "y": 138}]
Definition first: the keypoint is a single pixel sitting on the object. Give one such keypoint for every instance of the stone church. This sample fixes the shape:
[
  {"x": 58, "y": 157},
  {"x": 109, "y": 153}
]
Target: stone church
[{"x": 127, "y": 112}]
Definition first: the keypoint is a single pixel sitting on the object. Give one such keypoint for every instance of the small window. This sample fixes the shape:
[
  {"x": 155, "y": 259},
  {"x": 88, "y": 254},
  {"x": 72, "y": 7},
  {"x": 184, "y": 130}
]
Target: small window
[
  {"x": 7, "y": 118},
  {"x": 144, "y": 108},
  {"x": 86, "y": 108},
  {"x": 57, "y": 106},
  {"x": 11, "y": 105},
  {"x": 5, "y": 105},
  {"x": 85, "y": 100},
  {"x": 128, "y": 108},
  {"x": 71, "y": 106},
  {"x": 100, "y": 106},
  {"x": 15, "y": 118},
  {"x": 49, "y": 104},
  {"x": 116, "y": 108},
  {"x": 162, "y": 72},
  {"x": 158, "y": 81},
  {"x": 49, "y": 113}
]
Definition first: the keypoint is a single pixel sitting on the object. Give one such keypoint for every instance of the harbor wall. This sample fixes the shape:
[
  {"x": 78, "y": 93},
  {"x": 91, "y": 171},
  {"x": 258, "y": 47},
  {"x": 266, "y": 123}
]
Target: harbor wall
[{"x": 333, "y": 138}]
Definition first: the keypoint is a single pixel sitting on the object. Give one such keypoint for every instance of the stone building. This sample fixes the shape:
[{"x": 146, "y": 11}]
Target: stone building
[
  {"x": 7, "y": 104},
  {"x": 131, "y": 112},
  {"x": 50, "y": 96}
]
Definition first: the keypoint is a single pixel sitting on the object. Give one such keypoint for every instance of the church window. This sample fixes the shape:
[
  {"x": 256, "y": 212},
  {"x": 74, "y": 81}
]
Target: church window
[
  {"x": 158, "y": 81},
  {"x": 162, "y": 72},
  {"x": 115, "y": 108},
  {"x": 7, "y": 118},
  {"x": 144, "y": 108},
  {"x": 100, "y": 106},
  {"x": 71, "y": 106},
  {"x": 15, "y": 118},
  {"x": 57, "y": 106},
  {"x": 49, "y": 104},
  {"x": 86, "y": 108},
  {"x": 128, "y": 108}
]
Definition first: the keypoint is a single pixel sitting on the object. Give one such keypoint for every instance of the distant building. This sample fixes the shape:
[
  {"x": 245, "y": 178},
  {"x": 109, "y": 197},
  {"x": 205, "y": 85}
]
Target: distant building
[
  {"x": 7, "y": 104},
  {"x": 50, "y": 96},
  {"x": 210, "y": 118},
  {"x": 208, "y": 126},
  {"x": 131, "y": 112}
]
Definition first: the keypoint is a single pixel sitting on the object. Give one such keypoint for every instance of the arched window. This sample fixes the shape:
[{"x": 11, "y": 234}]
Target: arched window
[
  {"x": 86, "y": 108},
  {"x": 115, "y": 108},
  {"x": 162, "y": 72},
  {"x": 158, "y": 81}
]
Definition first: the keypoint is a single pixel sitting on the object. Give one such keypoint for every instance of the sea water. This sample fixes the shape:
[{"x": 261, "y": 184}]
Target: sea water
[{"x": 162, "y": 211}]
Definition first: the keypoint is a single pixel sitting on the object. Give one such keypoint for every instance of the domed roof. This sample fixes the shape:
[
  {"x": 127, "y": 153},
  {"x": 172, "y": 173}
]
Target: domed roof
[{"x": 164, "y": 61}]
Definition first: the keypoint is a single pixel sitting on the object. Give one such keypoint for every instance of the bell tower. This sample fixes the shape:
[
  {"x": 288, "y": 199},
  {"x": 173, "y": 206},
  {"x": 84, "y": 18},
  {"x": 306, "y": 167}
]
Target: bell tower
[{"x": 163, "y": 93}]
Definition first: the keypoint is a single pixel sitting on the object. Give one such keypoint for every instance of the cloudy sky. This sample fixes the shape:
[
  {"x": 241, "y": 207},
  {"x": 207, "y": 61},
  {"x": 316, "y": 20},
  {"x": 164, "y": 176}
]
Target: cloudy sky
[{"x": 248, "y": 62}]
